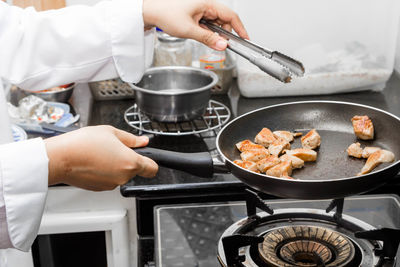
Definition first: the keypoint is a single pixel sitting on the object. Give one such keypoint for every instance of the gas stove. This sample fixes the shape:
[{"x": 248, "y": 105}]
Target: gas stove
[{"x": 357, "y": 231}]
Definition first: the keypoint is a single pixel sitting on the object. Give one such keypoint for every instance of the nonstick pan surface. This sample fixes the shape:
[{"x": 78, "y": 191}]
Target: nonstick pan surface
[{"x": 334, "y": 173}]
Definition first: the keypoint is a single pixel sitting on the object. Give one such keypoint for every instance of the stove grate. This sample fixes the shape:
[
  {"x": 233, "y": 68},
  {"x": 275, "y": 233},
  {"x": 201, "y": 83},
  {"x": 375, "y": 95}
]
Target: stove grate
[{"x": 216, "y": 115}]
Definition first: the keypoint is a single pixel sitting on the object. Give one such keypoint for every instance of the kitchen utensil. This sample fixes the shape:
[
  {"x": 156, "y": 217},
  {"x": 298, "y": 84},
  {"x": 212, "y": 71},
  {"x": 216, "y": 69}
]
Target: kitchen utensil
[
  {"x": 55, "y": 96},
  {"x": 333, "y": 175},
  {"x": 174, "y": 93},
  {"x": 215, "y": 116},
  {"x": 282, "y": 71}
]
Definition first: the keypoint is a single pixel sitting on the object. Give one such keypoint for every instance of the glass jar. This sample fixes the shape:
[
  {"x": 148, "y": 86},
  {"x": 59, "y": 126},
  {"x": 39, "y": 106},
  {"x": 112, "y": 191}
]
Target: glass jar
[{"x": 171, "y": 51}]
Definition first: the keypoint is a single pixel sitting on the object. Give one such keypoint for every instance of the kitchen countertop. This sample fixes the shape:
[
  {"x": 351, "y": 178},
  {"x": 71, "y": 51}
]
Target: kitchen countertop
[{"x": 170, "y": 181}]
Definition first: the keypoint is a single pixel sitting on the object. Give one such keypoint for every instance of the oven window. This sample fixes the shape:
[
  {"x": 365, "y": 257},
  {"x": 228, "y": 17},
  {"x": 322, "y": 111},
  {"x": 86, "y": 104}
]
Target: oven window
[{"x": 75, "y": 249}]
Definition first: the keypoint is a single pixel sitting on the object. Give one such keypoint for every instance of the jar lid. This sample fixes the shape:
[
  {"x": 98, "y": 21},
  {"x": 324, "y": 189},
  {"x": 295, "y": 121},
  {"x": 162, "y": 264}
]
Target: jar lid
[{"x": 163, "y": 37}]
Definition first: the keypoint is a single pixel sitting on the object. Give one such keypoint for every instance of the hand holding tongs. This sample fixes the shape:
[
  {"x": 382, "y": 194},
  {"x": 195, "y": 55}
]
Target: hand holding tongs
[{"x": 281, "y": 71}]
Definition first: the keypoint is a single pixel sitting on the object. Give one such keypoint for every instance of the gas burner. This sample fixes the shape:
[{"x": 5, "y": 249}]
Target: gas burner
[
  {"x": 305, "y": 245},
  {"x": 297, "y": 237}
]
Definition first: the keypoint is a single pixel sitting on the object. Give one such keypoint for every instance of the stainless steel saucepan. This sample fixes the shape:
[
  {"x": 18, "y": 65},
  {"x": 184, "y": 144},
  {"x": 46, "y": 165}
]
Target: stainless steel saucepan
[{"x": 174, "y": 93}]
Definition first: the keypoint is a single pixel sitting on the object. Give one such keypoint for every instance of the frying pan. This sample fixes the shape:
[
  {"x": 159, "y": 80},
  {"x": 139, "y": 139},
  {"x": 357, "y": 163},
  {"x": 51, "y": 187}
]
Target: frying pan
[{"x": 331, "y": 176}]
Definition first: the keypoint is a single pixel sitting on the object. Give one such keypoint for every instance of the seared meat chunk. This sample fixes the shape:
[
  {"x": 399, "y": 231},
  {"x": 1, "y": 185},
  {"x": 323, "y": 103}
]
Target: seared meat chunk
[
  {"x": 249, "y": 165},
  {"x": 247, "y": 145},
  {"x": 297, "y": 163},
  {"x": 277, "y": 146},
  {"x": 311, "y": 140},
  {"x": 375, "y": 159},
  {"x": 254, "y": 155},
  {"x": 303, "y": 153},
  {"x": 267, "y": 163},
  {"x": 265, "y": 137},
  {"x": 369, "y": 150},
  {"x": 355, "y": 150},
  {"x": 283, "y": 169},
  {"x": 363, "y": 127},
  {"x": 288, "y": 136}
]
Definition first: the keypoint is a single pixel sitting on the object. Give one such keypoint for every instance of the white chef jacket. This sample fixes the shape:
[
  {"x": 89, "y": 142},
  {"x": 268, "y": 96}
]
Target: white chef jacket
[{"x": 39, "y": 50}]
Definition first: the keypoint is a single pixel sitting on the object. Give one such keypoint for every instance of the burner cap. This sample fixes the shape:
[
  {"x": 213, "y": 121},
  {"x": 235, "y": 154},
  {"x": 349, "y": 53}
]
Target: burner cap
[{"x": 304, "y": 245}]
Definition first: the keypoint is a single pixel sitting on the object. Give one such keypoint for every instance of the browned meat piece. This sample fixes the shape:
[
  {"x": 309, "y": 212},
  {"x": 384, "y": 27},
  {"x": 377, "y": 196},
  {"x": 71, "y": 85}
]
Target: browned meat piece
[
  {"x": 283, "y": 169},
  {"x": 249, "y": 165},
  {"x": 355, "y": 150},
  {"x": 288, "y": 136},
  {"x": 276, "y": 147},
  {"x": 303, "y": 153},
  {"x": 247, "y": 145},
  {"x": 265, "y": 137},
  {"x": 297, "y": 134},
  {"x": 254, "y": 155},
  {"x": 363, "y": 127},
  {"x": 368, "y": 150},
  {"x": 297, "y": 163},
  {"x": 375, "y": 159},
  {"x": 267, "y": 163},
  {"x": 311, "y": 140}
]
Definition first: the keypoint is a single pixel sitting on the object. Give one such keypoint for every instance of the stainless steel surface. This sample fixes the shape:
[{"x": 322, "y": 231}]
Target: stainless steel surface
[
  {"x": 214, "y": 118},
  {"x": 259, "y": 59},
  {"x": 54, "y": 96},
  {"x": 174, "y": 94}
]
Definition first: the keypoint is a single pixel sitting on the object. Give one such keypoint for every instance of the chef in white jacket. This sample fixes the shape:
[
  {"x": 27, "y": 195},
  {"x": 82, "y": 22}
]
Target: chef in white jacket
[{"x": 40, "y": 50}]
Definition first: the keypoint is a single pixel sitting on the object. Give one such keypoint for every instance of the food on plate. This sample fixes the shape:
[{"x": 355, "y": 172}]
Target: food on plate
[
  {"x": 265, "y": 137},
  {"x": 375, "y": 159},
  {"x": 363, "y": 127},
  {"x": 303, "y": 153},
  {"x": 55, "y": 89},
  {"x": 297, "y": 163},
  {"x": 288, "y": 136},
  {"x": 311, "y": 140},
  {"x": 277, "y": 146},
  {"x": 267, "y": 163},
  {"x": 249, "y": 165},
  {"x": 247, "y": 145},
  {"x": 283, "y": 169},
  {"x": 254, "y": 155},
  {"x": 297, "y": 134},
  {"x": 355, "y": 150},
  {"x": 369, "y": 150}
]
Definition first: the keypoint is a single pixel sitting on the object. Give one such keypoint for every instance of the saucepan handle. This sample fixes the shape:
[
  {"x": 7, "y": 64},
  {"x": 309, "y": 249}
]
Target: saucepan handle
[{"x": 199, "y": 164}]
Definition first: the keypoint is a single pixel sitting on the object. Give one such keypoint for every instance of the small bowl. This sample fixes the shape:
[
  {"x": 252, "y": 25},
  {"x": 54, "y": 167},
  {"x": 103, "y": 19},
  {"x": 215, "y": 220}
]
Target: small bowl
[
  {"x": 174, "y": 93},
  {"x": 54, "y": 96}
]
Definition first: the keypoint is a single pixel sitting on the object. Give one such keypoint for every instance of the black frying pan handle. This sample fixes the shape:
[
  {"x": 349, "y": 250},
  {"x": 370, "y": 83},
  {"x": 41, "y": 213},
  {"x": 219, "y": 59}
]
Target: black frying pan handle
[{"x": 199, "y": 164}]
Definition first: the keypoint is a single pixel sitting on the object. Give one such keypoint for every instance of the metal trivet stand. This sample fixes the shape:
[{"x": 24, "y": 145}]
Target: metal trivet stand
[{"x": 216, "y": 115}]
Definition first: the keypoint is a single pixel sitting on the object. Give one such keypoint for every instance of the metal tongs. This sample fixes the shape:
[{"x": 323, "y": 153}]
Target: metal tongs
[{"x": 262, "y": 57}]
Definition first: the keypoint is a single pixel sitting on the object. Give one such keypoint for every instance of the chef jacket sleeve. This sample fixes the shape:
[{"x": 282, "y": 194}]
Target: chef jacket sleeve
[
  {"x": 40, "y": 50},
  {"x": 23, "y": 186}
]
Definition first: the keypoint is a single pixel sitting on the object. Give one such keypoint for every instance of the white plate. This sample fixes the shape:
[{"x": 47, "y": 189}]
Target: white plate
[{"x": 18, "y": 133}]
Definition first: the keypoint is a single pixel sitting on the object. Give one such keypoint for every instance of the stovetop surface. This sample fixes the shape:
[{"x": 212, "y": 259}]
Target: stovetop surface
[
  {"x": 173, "y": 181},
  {"x": 187, "y": 235}
]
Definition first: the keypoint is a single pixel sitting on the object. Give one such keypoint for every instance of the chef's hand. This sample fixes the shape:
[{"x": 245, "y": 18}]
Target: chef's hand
[
  {"x": 180, "y": 18},
  {"x": 97, "y": 158}
]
